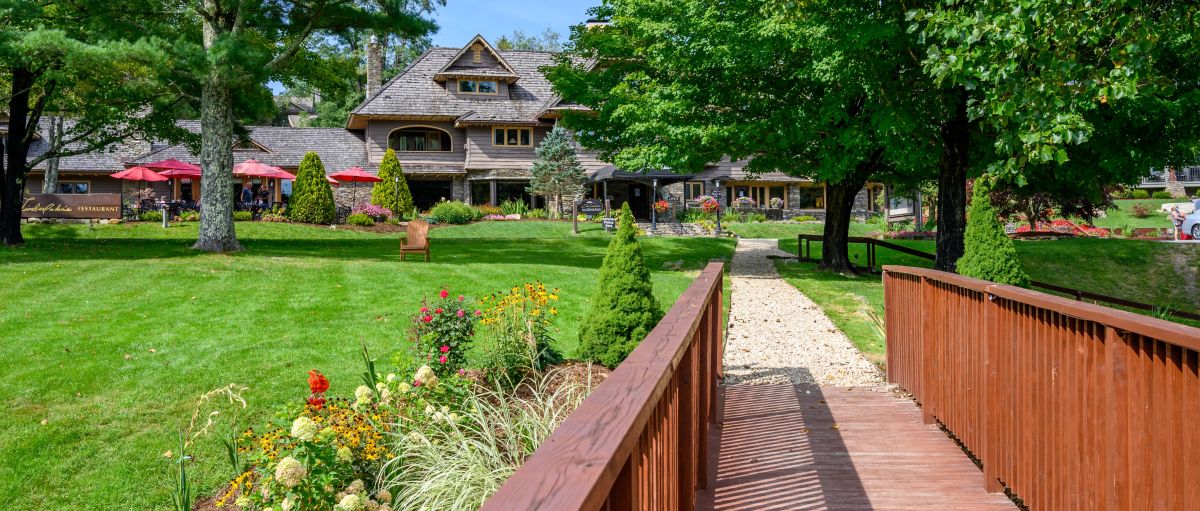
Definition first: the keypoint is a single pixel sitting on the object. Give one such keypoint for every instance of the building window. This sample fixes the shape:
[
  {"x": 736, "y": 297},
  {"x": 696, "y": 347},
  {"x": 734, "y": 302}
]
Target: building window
[
  {"x": 419, "y": 139},
  {"x": 477, "y": 86},
  {"x": 693, "y": 189},
  {"x": 520, "y": 137},
  {"x": 74, "y": 187}
]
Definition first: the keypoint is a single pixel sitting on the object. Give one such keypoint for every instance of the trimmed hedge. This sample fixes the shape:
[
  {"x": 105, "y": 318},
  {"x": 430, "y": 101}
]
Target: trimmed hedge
[
  {"x": 360, "y": 219},
  {"x": 312, "y": 198},
  {"x": 624, "y": 308},
  {"x": 389, "y": 192},
  {"x": 448, "y": 212},
  {"x": 989, "y": 253}
]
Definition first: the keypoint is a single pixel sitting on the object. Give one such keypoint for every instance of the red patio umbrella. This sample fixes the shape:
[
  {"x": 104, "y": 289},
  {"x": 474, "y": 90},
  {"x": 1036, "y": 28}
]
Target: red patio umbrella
[
  {"x": 254, "y": 168},
  {"x": 174, "y": 166},
  {"x": 139, "y": 174},
  {"x": 332, "y": 181},
  {"x": 355, "y": 175}
]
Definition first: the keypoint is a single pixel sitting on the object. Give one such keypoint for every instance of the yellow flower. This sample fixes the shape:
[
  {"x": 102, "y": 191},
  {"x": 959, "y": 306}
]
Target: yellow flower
[{"x": 553, "y": 311}]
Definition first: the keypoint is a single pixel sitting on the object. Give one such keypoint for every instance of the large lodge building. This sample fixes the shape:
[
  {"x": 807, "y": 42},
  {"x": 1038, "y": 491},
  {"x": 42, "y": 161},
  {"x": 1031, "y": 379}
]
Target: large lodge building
[{"x": 464, "y": 123}]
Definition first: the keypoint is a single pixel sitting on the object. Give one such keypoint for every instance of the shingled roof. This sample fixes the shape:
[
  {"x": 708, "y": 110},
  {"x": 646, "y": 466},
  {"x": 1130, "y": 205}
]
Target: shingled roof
[
  {"x": 282, "y": 146},
  {"x": 415, "y": 92},
  {"x": 106, "y": 161}
]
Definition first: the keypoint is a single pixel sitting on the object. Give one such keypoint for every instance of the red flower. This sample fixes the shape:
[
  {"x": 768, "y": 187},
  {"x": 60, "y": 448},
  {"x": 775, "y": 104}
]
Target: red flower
[
  {"x": 317, "y": 383},
  {"x": 478, "y": 312},
  {"x": 460, "y": 298},
  {"x": 444, "y": 348},
  {"x": 316, "y": 401},
  {"x": 444, "y": 293},
  {"x": 424, "y": 310},
  {"x": 427, "y": 319},
  {"x": 437, "y": 310},
  {"x": 442, "y": 359}
]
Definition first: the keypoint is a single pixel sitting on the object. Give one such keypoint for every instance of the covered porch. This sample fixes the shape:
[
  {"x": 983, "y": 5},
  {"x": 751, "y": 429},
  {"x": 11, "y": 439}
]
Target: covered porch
[{"x": 639, "y": 189}]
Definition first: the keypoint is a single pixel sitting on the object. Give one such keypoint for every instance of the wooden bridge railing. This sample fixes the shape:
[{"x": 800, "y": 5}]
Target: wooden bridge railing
[
  {"x": 1069, "y": 405},
  {"x": 639, "y": 441}
]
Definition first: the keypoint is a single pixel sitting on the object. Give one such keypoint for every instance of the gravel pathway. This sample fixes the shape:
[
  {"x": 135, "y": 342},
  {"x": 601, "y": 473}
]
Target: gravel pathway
[{"x": 778, "y": 335}]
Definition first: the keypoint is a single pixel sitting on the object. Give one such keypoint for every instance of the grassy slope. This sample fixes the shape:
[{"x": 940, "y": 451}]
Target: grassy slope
[
  {"x": 1122, "y": 217},
  {"x": 76, "y": 301},
  {"x": 1144, "y": 271}
]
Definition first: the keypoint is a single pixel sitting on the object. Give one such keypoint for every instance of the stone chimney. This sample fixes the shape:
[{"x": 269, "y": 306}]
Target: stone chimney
[{"x": 374, "y": 66}]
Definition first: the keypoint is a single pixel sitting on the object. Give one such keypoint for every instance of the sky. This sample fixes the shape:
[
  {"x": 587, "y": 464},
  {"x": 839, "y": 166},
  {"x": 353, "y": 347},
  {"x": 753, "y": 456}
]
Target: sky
[{"x": 460, "y": 20}]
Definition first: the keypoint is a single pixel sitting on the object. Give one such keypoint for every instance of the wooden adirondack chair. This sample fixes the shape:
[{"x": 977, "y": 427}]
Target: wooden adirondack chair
[{"x": 417, "y": 240}]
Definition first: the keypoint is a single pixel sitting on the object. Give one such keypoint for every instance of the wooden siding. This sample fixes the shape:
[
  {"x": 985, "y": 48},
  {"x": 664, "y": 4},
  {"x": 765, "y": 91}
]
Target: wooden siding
[
  {"x": 100, "y": 183},
  {"x": 501, "y": 94},
  {"x": 483, "y": 155},
  {"x": 377, "y": 136}
]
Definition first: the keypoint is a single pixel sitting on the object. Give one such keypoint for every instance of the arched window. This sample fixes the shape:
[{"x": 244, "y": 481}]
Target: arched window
[{"x": 419, "y": 139}]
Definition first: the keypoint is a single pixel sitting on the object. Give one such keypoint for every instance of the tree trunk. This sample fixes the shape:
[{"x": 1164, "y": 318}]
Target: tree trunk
[
  {"x": 952, "y": 187},
  {"x": 216, "y": 159},
  {"x": 12, "y": 186},
  {"x": 839, "y": 204},
  {"x": 50, "y": 179}
]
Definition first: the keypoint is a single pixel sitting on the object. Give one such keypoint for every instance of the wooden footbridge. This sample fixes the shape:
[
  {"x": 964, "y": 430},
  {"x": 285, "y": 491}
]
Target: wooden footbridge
[{"x": 1002, "y": 396}]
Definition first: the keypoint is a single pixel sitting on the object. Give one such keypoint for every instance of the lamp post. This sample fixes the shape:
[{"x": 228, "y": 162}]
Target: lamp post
[
  {"x": 654, "y": 205},
  {"x": 717, "y": 195}
]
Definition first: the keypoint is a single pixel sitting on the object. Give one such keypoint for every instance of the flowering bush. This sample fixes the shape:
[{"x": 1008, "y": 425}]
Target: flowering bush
[
  {"x": 776, "y": 202},
  {"x": 502, "y": 217},
  {"x": 442, "y": 332},
  {"x": 371, "y": 210},
  {"x": 745, "y": 202},
  {"x": 662, "y": 206},
  {"x": 708, "y": 204},
  {"x": 518, "y": 325}
]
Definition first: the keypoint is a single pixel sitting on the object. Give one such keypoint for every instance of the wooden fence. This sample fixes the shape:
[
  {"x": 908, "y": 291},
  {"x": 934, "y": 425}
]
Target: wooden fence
[
  {"x": 1069, "y": 405},
  {"x": 639, "y": 441}
]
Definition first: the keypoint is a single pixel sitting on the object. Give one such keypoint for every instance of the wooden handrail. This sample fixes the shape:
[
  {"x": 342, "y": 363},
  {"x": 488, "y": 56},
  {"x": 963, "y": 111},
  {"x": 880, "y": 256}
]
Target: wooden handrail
[
  {"x": 805, "y": 253},
  {"x": 1068, "y": 405},
  {"x": 640, "y": 439}
]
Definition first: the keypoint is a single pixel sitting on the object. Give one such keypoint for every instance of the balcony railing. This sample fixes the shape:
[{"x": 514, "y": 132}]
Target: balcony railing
[
  {"x": 640, "y": 440},
  {"x": 1189, "y": 175}
]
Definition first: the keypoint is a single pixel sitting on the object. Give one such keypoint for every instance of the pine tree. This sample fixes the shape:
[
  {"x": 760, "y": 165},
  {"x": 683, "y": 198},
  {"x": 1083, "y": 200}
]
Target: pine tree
[
  {"x": 989, "y": 253},
  {"x": 624, "y": 308},
  {"x": 312, "y": 198},
  {"x": 389, "y": 193},
  {"x": 556, "y": 170}
]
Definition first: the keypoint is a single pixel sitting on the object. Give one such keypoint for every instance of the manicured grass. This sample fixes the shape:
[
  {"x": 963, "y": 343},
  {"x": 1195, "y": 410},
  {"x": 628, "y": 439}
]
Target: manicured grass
[
  {"x": 1150, "y": 272},
  {"x": 1122, "y": 217},
  {"x": 113, "y": 332}
]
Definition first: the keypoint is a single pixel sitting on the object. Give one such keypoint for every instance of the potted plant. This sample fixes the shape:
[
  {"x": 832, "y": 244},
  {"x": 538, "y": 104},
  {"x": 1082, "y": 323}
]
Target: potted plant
[{"x": 662, "y": 206}]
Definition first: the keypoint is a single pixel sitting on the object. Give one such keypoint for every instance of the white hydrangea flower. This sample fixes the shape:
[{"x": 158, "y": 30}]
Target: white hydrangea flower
[
  {"x": 426, "y": 377},
  {"x": 350, "y": 502},
  {"x": 384, "y": 496},
  {"x": 288, "y": 503},
  {"x": 356, "y": 486},
  {"x": 385, "y": 395},
  {"x": 304, "y": 429},
  {"x": 289, "y": 472},
  {"x": 344, "y": 454},
  {"x": 242, "y": 501},
  {"x": 363, "y": 395},
  {"x": 391, "y": 377},
  {"x": 403, "y": 388}
]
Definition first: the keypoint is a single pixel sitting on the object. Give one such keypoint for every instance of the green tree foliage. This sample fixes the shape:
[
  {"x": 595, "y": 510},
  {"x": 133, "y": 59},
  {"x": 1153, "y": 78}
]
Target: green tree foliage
[
  {"x": 826, "y": 90},
  {"x": 312, "y": 198},
  {"x": 624, "y": 308},
  {"x": 244, "y": 44},
  {"x": 548, "y": 40},
  {"x": 990, "y": 254},
  {"x": 103, "y": 65},
  {"x": 556, "y": 170},
  {"x": 392, "y": 192}
]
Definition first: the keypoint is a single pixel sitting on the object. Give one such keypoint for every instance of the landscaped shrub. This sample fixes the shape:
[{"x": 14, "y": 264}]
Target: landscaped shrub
[
  {"x": 624, "y": 308},
  {"x": 360, "y": 219},
  {"x": 989, "y": 253},
  {"x": 514, "y": 207},
  {"x": 1161, "y": 194},
  {"x": 692, "y": 216},
  {"x": 312, "y": 198},
  {"x": 537, "y": 214},
  {"x": 273, "y": 217},
  {"x": 757, "y": 218},
  {"x": 392, "y": 191},
  {"x": 804, "y": 218},
  {"x": 378, "y": 213},
  {"x": 1139, "y": 194},
  {"x": 1139, "y": 210},
  {"x": 442, "y": 332},
  {"x": 243, "y": 216},
  {"x": 150, "y": 216},
  {"x": 189, "y": 215},
  {"x": 453, "y": 212},
  {"x": 708, "y": 203},
  {"x": 488, "y": 209},
  {"x": 517, "y": 328},
  {"x": 1122, "y": 193}
]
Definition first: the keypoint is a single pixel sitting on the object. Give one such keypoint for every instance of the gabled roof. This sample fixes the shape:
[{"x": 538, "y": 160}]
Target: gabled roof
[
  {"x": 453, "y": 69},
  {"x": 338, "y": 148},
  {"x": 104, "y": 161}
]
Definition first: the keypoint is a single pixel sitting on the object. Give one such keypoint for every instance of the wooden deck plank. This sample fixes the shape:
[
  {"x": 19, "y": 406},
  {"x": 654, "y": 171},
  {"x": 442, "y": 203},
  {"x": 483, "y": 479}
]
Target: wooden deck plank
[{"x": 803, "y": 447}]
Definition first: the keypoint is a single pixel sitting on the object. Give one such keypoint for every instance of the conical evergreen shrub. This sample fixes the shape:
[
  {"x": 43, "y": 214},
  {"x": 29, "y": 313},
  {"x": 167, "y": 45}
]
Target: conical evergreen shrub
[
  {"x": 388, "y": 193},
  {"x": 312, "y": 199},
  {"x": 624, "y": 308},
  {"x": 989, "y": 254}
]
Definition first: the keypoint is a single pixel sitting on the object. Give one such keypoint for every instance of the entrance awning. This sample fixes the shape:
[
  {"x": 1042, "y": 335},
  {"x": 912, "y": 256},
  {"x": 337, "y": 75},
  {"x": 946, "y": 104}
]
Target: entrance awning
[{"x": 612, "y": 173}]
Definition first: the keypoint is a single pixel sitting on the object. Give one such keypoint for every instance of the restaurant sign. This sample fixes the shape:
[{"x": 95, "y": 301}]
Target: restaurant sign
[{"x": 94, "y": 205}]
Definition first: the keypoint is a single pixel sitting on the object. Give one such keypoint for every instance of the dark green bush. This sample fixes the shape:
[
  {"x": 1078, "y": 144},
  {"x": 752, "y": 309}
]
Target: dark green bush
[
  {"x": 453, "y": 212},
  {"x": 1139, "y": 194},
  {"x": 150, "y": 216},
  {"x": 243, "y": 216},
  {"x": 624, "y": 308},
  {"x": 312, "y": 199},
  {"x": 1161, "y": 194},
  {"x": 989, "y": 253},
  {"x": 392, "y": 192},
  {"x": 360, "y": 219}
]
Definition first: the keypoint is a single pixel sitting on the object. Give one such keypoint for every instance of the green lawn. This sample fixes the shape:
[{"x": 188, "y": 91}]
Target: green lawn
[
  {"x": 1144, "y": 271},
  {"x": 112, "y": 332},
  {"x": 1122, "y": 217}
]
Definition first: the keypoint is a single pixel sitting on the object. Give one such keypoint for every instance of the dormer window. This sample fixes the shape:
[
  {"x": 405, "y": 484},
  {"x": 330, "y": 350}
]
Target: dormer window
[
  {"x": 477, "y": 86},
  {"x": 419, "y": 139},
  {"x": 517, "y": 137}
]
